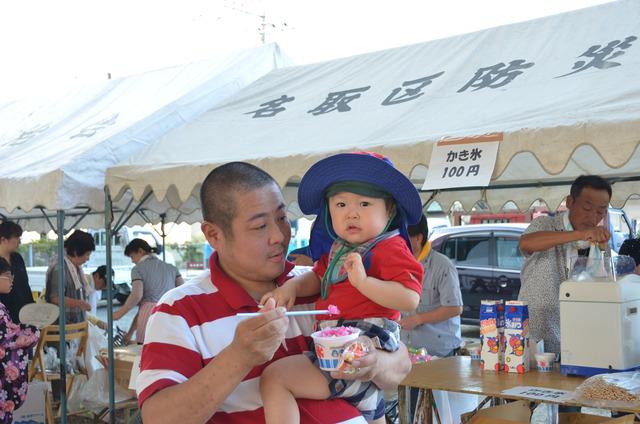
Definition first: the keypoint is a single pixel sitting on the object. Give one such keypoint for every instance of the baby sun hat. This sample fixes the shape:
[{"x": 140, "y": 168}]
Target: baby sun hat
[{"x": 364, "y": 168}]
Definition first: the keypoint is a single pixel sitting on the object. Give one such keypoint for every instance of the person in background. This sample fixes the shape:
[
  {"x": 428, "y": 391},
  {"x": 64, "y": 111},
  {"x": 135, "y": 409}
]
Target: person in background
[
  {"x": 550, "y": 245},
  {"x": 20, "y": 293},
  {"x": 78, "y": 247},
  {"x": 436, "y": 323},
  {"x": 99, "y": 279},
  {"x": 16, "y": 342},
  {"x": 95, "y": 284},
  {"x": 150, "y": 279}
]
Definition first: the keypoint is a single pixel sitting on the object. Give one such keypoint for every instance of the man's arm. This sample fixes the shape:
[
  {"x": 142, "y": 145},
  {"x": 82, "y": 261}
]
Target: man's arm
[
  {"x": 385, "y": 369},
  {"x": 197, "y": 399},
  {"x": 544, "y": 240},
  {"x": 440, "y": 314}
]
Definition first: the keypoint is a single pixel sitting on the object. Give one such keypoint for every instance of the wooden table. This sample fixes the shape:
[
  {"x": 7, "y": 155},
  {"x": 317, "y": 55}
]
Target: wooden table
[{"x": 460, "y": 374}]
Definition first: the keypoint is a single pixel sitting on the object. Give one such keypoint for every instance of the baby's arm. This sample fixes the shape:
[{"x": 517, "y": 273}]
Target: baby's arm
[
  {"x": 389, "y": 294},
  {"x": 303, "y": 285}
]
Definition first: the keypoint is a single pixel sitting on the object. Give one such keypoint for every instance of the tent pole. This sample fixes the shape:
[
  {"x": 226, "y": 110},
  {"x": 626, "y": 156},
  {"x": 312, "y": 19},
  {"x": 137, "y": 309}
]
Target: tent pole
[
  {"x": 124, "y": 212},
  {"x": 108, "y": 221},
  {"x": 121, "y": 222},
  {"x": 63, "y": 345},
  {"x": 163, "y": 217},
  {"x": 51, "y": 223},
  {"x": 75, "y": 224}
]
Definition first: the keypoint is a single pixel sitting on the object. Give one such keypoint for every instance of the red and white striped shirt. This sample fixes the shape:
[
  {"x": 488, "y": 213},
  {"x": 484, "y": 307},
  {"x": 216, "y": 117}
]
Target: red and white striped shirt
[{"x": 192, "y": 323}]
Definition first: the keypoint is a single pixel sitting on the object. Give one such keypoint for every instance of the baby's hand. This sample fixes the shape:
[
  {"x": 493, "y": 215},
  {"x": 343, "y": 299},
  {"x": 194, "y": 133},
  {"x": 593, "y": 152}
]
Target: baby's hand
[
  {"x": 285, "y": 295},
  {"x": 354, "y": 267}
]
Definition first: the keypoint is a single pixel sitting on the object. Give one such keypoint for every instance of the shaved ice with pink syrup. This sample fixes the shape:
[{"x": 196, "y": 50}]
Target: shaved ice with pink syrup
[
  {"x": 337, "y": 331},
  {"x": 330, "y": 343}
]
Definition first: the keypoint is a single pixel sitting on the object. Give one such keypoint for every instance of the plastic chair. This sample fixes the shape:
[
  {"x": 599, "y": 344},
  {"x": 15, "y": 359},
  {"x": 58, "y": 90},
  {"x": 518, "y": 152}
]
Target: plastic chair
[{"x": 51, "y": 335}]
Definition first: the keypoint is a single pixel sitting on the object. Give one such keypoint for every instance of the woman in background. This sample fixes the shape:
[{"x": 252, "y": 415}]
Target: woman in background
[
  {"x": 78, "y": 247},
  {"x": 150, "y": 279},
  {"x": 20, "y": 293},
  {"x": 16, "y": 341}
]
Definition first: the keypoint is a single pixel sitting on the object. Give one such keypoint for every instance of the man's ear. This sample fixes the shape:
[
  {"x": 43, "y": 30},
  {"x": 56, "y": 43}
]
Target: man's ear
[
  {"x": 569, "y": 201},
  {"x": 213, "y": 233}
]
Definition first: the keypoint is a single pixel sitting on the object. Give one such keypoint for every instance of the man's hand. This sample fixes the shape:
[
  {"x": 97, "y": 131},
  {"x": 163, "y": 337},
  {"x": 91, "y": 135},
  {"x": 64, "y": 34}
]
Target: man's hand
[
  {"x": 85, "y": 306},
  {"x": 355, "y": 268},
  {"x": 285, "y": 295},
  {"x": 596, "y": 235},
  {"x": 409, "y": 323},
  {"x": 364, "y": 368},
  {"x": 257, "y": 339}
]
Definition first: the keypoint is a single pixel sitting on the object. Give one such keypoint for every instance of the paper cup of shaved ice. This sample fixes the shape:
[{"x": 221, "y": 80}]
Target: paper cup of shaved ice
[{"x": 330, "y": 343}]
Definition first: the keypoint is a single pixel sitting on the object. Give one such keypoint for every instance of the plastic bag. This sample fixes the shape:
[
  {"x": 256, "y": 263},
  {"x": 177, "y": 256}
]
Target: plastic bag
[
  {"x": 74, "y": 401},
  {"x": 611, "y": 390},
  {"x": 596, "y": 263},
  {"x": 51, "y": 360},
  {"x": 96, "y": 341},
  {"x": 95, "y": 393}
]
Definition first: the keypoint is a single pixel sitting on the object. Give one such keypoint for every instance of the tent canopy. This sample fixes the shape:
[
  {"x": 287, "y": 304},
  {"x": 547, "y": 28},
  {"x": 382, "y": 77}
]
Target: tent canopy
[
  {"x": 56, "y": 150},
  {"x": 563, "y": 91}
]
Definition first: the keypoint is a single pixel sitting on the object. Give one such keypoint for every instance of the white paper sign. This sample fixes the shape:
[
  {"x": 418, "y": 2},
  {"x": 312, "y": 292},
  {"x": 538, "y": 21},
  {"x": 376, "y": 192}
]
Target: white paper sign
[
  {"x": 539, "y": 393},
  {"x": 462, "y": 162}
]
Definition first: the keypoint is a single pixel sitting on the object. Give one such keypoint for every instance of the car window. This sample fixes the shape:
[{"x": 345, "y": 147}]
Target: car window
[
  {"x": 619, "y": 228},
  {"x": 508, "y": 252},
  {"x": 468, "y": 250}
]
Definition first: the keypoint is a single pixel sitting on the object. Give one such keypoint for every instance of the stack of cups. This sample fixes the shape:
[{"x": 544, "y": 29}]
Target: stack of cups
[
  {"x": 544, "y": 361},
  {"x": 474, "y": 351}
]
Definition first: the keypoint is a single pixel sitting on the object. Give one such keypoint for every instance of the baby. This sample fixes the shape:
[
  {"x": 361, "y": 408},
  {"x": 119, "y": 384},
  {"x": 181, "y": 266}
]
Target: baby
[{"x": 364, "y": 204}]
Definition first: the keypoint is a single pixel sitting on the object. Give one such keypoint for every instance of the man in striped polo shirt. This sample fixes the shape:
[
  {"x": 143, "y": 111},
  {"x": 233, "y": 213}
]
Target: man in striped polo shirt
[{"x": 201, "y": 363}]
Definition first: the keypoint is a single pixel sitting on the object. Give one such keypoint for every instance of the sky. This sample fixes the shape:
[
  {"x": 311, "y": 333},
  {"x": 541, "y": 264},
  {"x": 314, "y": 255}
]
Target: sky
[{"x": 51, "y": 45}]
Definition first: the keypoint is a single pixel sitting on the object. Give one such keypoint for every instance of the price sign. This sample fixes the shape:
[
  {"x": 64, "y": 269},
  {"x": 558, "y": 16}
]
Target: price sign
[
  {"x": 463, "y": 162},
  {"x": 539, "y": 393}
]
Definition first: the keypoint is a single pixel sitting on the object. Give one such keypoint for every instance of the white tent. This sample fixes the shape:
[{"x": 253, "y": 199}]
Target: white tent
[
  {"x": 563, "y": 92},
  {"x": 55, "y": 151}
]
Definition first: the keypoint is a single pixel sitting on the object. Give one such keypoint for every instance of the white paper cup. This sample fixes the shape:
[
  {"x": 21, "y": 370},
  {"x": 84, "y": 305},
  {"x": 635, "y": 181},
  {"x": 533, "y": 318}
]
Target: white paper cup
[
  {"x": 544, "y": 361},
  {"x": 474, "y": 352},
  {"x": 329, "y": 349}
]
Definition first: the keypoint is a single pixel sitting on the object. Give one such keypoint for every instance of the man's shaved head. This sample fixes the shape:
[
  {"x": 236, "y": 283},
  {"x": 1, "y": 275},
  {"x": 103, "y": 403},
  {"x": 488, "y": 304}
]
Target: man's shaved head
[{"x": 217, "y": 194}]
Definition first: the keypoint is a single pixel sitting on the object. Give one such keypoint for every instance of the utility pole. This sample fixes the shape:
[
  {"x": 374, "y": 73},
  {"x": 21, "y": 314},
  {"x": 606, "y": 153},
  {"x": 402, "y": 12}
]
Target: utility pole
[{"x": 262, "y": 30}]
